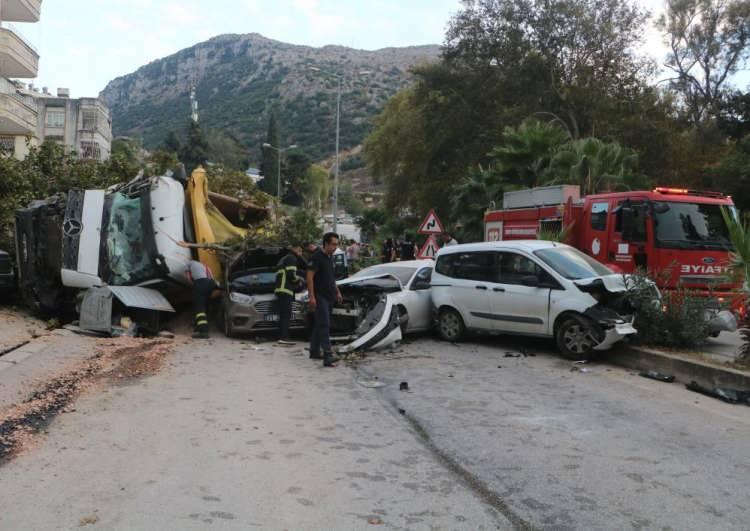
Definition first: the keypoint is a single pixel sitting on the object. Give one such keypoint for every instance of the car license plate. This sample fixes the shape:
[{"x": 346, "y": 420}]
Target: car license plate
[{"x": 272, "y": 318}]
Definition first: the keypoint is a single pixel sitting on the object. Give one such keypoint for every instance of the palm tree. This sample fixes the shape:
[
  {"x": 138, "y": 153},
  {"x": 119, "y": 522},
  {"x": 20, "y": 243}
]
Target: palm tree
[
  {"x": 472, "y": 198},
  {"x": 594, "y": 165},
  {"x": 739, "y": 233},
  {"x": 526, "y": 151}
]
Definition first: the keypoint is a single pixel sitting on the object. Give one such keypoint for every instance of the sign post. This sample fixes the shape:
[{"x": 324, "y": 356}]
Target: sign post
[{"x": 431, "y": 226}]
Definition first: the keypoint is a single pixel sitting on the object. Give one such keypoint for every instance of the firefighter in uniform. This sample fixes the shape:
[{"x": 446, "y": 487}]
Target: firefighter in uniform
[
  {"x": 287, "y": 282},
  {"x": 203, "y": 285}
]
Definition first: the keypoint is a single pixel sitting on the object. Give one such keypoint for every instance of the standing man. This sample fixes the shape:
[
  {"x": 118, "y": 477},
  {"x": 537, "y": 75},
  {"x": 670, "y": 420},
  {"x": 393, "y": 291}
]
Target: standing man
[
  {"x": 287, "y": 283},
  {"x": 323, "y": 293},
  {"x": 448, "y": 240},
  {"x": 389, "y": 252},
  {"x": 203, "y": 285},
  {"x": 352, "y": 256},
  {"x": 409, "y": 249}
]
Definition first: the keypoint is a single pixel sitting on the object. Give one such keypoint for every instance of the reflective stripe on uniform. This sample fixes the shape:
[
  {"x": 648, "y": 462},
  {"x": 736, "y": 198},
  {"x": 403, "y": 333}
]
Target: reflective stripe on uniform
[{"x": 284, "y": 291}]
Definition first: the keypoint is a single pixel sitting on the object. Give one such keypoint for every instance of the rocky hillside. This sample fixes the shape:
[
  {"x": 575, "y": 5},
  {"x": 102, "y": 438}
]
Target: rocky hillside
[{"x": 239, "y": 78}]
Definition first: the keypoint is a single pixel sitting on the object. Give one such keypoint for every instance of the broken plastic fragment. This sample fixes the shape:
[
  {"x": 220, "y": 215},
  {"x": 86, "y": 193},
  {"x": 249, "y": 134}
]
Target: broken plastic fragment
[{"x": 656, "y": 375}]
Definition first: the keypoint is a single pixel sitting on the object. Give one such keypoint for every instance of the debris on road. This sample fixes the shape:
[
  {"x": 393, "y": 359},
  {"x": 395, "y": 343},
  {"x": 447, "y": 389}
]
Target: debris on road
[
  {"x": 656, "y": 375},
  {"x": 731, "y": 396},
  {"x": 403, "y": 386},
  {"x": 371, "y": 384},
  {"x": 114, "y": 360}
]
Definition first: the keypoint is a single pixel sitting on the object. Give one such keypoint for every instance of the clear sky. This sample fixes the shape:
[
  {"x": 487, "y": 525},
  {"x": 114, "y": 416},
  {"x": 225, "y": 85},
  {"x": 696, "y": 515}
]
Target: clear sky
[{"x": 83, "y": 44}]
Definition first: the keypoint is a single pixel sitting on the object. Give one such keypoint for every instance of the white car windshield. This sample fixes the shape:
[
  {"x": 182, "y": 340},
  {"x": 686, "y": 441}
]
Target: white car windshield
[
  {"x": 572, "y": 263},
  {"x": 404, "y": 274}
]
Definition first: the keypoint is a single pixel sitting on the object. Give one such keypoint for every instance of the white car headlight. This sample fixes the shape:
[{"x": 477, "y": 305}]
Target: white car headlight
[{"x": 240, "y": 298}]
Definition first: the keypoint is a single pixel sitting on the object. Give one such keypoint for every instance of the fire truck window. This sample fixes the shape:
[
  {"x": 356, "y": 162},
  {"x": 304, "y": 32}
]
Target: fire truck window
[
  {"x": 599, "y": 216},
  {"x": 638, "y": 215}
]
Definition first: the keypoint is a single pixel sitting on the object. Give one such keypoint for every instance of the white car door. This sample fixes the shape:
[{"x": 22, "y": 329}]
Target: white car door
[
  {"x": 472, "y": 274},
  {"x": 417, "y": 299},
  {"x": 518, "y": 308}
]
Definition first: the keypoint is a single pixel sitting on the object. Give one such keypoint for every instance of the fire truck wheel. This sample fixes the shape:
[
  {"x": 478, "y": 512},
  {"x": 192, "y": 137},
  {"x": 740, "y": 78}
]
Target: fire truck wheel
[
  {"x": 451, "y": 325},
  {"x": 575, "y": 340}
]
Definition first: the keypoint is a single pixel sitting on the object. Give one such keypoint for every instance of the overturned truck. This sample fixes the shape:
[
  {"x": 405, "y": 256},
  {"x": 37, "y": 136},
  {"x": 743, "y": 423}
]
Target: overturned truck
[{"x": 128, "y": 235}]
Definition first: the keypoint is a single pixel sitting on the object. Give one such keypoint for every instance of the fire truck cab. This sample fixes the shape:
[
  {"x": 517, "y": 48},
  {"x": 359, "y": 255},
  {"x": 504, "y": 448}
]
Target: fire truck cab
[{"x": 679, "y": 236}]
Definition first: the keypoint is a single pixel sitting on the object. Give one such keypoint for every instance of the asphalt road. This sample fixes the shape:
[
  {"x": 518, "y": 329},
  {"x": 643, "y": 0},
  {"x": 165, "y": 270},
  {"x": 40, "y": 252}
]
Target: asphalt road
[{"x": 233, "y": 435}]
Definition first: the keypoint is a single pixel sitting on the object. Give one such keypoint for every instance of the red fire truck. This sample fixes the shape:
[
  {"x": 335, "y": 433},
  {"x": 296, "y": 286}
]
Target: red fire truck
[{"x": 679, "y": 236}]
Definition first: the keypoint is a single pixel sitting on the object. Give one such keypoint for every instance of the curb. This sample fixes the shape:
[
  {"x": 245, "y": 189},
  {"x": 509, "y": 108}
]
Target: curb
[{"x": 684, "y": 370}]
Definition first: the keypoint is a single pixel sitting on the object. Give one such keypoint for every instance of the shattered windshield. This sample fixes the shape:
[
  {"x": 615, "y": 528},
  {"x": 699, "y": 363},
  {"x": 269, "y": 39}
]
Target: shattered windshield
[
  {"x": 129, "y": 256},
  {"x": 572, "y": 263},
  {"x": 404, "y": 274},
  {"x": 690, "y": 225}
]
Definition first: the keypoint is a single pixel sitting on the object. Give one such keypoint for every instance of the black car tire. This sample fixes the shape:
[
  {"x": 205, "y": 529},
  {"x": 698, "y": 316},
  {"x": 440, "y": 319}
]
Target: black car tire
[
  {"x": 451, "y": 325},
  {"x": 575, "y": 340},
  {"x": 227, "y": 324}
]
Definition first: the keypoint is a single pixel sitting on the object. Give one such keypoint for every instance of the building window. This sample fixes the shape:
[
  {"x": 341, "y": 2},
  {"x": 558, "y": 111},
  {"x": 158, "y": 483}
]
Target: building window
[
  {"x": 89, "y": 120},
  {"x": 90, "y": 150},
  {"x": 54, "y": 138},
  {"x": 8, "y": 145},
  {"x": 55, "y": 119}
]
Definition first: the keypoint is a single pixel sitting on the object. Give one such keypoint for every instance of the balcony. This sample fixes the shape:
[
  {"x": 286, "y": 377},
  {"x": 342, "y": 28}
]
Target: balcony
[
  {"x": 18, "y": 58},
  {"x": 16, "y": 117},
  {"x": 21, "y": 10}
]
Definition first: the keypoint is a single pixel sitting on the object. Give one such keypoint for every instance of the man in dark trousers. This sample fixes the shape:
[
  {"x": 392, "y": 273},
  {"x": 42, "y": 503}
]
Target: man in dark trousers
[
  {"x": 203, "y": 285},
  {"x": 323, "y": 293},
  {"x": 287, "y": 283}
]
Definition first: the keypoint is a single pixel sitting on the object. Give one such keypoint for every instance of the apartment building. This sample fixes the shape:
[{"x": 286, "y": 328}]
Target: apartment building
[
  {"x": 18, "y": 59},
  {"x": 83, "y": 124}
]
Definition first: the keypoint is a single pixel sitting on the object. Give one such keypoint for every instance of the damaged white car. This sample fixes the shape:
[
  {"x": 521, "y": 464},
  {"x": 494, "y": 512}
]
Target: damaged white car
[
  {"x": 381, "y": 304},
  {"x": 534, "y": 288}
]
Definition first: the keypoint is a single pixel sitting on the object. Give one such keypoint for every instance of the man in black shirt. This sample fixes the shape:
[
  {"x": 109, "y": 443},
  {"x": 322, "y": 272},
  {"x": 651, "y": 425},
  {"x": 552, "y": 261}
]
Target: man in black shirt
[
  {"x": 323, "y": 293},
  {"x": 409, "y": 249},
  {"x": 287, "y": 283}
]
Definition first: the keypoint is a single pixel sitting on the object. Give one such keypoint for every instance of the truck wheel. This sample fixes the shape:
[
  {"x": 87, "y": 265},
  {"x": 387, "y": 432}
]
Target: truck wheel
[
  {"x": 451, "y": 325},
  {"x": 575, "y": 340}
]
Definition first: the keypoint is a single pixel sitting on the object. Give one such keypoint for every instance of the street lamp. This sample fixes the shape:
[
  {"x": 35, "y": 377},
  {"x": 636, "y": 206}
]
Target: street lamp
[
  {"x": 278, "y": 165},
  {"x": 338, "y": 135}
]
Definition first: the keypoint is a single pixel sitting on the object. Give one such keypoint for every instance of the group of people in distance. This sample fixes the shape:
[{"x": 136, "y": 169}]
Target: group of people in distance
[{"x": 406, "y": 248}]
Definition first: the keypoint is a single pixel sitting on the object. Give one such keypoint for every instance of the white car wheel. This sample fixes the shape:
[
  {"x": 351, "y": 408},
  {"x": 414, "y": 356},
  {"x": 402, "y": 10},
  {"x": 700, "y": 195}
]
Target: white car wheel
[
  {"x": 575, "y": 340},
  {"x": 451, "y": 325}
]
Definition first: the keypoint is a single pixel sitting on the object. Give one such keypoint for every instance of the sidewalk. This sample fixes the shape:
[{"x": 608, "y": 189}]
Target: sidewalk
[{"x": 714, "y": 366}]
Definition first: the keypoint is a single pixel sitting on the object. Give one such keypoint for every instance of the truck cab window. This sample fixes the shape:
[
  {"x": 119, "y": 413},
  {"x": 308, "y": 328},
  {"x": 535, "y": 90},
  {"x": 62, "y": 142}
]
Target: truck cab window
[{"x": 599, "y": 213}]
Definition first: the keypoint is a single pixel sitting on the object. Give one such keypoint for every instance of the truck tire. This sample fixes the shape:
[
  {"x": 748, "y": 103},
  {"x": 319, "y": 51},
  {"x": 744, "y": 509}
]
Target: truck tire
[
  {"x": 451, "y": 325},
  {"x": 575, "y": 340}
]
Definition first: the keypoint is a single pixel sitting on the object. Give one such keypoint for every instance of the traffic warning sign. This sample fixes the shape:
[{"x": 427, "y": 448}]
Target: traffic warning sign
[
  {"x": 431, "y": 224},
  {"x": 430, "y": 248}
]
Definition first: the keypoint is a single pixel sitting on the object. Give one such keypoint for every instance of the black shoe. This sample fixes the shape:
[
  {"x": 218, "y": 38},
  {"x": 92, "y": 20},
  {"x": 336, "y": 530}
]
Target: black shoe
[
  {"x": 200, "y": 335},
  {"x": 329, "y": 360},
  {"x": 317, "y": 356}
]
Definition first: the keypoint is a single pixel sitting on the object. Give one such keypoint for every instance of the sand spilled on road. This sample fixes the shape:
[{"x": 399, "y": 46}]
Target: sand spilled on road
[{"x": 115, "y": 360}]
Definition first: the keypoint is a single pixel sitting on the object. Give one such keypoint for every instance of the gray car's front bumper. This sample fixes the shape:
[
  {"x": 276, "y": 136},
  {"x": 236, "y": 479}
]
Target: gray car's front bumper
[{"x": 261, "y": 315}]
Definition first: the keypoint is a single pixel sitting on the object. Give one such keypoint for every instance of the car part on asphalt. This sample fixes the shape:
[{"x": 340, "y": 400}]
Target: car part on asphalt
[
  {"x": 656, "y": 375},
  {"x": 731, "y": 396},
  {"x": 403, "y": 386}
]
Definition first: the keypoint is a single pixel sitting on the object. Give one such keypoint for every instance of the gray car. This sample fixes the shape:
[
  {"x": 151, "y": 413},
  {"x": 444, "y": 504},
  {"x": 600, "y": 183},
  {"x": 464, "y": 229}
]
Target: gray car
[{"x": 248, "y": 301}]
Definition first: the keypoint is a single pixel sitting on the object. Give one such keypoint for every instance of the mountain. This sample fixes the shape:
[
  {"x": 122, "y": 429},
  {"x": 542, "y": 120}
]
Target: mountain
[{"x": 240, "y": 78}]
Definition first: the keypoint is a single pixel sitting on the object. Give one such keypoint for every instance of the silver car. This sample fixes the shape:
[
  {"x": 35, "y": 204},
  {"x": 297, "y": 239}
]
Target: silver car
[{"x": 248, "y": 301}]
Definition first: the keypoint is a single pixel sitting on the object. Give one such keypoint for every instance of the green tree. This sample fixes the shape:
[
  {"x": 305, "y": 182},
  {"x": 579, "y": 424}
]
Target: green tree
[
  {"x": 270, "y": 164},
  {"x": 370, "y": 223},
  {"x": 315, "y": 187},
  {"x": 171, "y": 143},
  {"x": 523, "y": 157},
  {"x": 595, "y": 166},
  {"x": 708, "y": 43},
  {"x": 223, "y": 148},
  {"x": 195, "y": 151},
  {"x": 472, "y": 198}
]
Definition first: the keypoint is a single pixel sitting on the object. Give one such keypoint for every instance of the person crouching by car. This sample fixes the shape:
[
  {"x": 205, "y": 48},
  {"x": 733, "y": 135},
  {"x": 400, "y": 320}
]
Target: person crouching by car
[
  {"x": 203, "y": 285},
  {"x": 287, "y": 284},
  {"x": 323, "y": 293}
]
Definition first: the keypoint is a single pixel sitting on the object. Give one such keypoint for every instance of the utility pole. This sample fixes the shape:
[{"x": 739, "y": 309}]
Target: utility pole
[{"x": 336, "y": 173}]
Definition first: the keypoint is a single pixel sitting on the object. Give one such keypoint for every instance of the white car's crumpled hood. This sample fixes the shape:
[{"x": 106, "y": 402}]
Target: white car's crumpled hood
[{"x": 613, "y": 283}]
